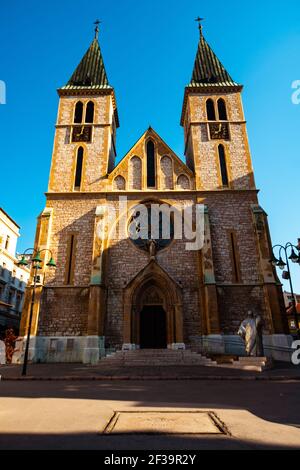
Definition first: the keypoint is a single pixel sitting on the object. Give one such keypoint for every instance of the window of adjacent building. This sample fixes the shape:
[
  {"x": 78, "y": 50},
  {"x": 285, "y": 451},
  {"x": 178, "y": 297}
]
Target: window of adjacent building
[
  {"x": 18, "y": 302},
  {"x": 70, "y": 263},
  {"x": 210, "y": 110},
  {"x": 150, "y": 164},
  {"x": 11, "y": 296},
  {"x": 78, "y": 171},
  {"x": 7, "y": 242},
  {"x": 223, "y": 165},
  {"x": 236, "y": 272},
  {"x": 222, "y": 110},
  {"x": 89, "y": 114},
  {"x": 78, "y": 112}
]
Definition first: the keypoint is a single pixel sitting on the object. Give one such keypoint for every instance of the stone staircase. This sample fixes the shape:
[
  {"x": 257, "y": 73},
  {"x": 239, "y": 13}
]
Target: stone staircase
[
  {"x": 169, "y": 357},
  {"x": 156, "y": 357}
]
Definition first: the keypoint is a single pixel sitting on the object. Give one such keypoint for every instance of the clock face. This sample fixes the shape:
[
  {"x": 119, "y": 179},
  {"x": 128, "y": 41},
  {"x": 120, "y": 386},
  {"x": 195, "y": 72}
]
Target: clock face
[
  {"x": 82, "y": 134},
  {"x": 219, "y": 131}
]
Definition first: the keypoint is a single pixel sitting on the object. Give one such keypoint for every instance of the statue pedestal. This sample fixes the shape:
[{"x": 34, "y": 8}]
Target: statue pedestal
[{"x": 257, "y": 364}]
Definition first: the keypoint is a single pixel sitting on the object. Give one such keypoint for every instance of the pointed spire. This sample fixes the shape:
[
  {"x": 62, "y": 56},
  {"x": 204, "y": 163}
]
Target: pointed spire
[
  {"x": 91, "y": 72},
  {"x": 208, "y": 70},
  {"x": 209, "y": 75}
]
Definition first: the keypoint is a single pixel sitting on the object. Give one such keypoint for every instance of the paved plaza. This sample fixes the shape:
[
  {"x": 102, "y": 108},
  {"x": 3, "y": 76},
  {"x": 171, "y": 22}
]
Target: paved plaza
[{"x": 224, "y": 413}]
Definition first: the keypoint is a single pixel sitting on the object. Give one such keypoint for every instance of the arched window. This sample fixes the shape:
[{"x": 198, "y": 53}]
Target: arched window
[
  {"x": 183, "y": 182},
  {"x": 167, "y": 173},
  {"x": 210, "y": 110},
  {"x": 119, "y": 183},
  {"x": 222, "y": 110},
  {"x": 78, "y": 112},
  {"x": 150, "y": 164},
  {"x": 89, "y": 114},
  {"x": 223, "y": 166},
  {"x": 135, "y": 173},
  {"x": 78, "y": 173}
]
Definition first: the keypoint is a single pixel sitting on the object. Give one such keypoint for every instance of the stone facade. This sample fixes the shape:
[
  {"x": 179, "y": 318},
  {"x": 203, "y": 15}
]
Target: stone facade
[{"x": 102, "y": 285}]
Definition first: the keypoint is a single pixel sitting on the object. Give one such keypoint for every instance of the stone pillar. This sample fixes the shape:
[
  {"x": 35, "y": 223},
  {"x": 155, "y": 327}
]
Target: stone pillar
[
  {"x": 276, "y": 318},
  {"x": 97, "y": 294},
  {"x": 209, "y": 290}
]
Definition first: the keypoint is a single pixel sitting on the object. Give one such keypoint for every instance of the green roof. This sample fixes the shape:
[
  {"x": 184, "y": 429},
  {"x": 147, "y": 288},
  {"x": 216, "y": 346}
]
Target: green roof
[
  {"x": 90, "y": 73},
  {"x": 208, "y": 70}
]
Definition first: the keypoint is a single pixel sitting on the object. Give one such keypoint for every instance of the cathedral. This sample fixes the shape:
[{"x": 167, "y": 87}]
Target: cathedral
[{"x": 118, "y": 292}]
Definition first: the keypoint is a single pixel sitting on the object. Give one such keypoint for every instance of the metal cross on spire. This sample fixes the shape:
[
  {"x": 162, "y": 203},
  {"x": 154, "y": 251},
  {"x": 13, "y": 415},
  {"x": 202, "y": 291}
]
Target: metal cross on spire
[
  {"x": 199, "y": 21},
  {"x": 97, "y": 22}
]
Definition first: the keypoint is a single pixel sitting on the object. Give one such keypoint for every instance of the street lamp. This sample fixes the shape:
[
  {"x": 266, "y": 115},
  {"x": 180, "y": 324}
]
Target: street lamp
[
  {"x": 37, "y": 262},
  {"x": 292, "y": 253}
]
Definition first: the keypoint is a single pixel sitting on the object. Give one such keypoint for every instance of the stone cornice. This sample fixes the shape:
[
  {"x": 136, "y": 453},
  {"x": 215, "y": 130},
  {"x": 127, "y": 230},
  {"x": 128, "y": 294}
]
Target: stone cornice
[{"x": 142, "y": 194}]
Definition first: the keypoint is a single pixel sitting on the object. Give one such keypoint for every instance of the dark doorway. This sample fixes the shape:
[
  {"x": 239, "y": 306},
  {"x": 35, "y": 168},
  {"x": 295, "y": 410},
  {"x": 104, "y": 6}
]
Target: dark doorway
[{"x": 153, "y": 328}]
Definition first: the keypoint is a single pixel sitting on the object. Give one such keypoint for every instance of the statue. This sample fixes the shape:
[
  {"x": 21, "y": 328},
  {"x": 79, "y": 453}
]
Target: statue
[
  {"x": 9, "y": 340},
  {"x": 251, "y": 332},
  {"x": 152, "y": 248}
]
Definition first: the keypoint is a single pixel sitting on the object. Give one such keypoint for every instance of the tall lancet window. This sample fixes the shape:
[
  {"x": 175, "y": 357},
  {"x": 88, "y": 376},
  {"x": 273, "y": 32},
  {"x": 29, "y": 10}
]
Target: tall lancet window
[
  {"x": 78, "y": 112},
  {"x": 78, "y": 171},
  {"x": 150, "y": 164},
  {"x": 222, "y": 110},
  {"x": 210, "y": 110},
  {"x": 89, "y": 115},
  {"x": 223, "y": 165}
]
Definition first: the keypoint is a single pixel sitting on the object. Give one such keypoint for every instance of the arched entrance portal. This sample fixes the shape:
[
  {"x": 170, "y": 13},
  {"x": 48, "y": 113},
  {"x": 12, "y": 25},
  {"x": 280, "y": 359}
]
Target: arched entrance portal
[{"x": 152, "y": 310}]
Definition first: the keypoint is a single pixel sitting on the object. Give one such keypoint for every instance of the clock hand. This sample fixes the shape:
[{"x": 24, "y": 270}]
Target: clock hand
[{"x": 81, "y": 133}]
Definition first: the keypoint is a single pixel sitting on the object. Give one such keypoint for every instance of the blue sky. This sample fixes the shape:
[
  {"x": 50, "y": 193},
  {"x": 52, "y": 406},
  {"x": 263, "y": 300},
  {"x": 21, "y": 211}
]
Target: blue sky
[{"x": 149, "y": 49}]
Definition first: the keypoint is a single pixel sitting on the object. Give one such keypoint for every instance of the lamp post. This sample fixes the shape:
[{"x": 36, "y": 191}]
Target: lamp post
[
  {"x": 289, "y": 251},
  {"x": 37, "y": 262}
]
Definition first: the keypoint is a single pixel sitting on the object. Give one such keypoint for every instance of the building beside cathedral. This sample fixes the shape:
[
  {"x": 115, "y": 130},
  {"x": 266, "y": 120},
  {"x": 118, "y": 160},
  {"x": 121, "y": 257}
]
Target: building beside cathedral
[
  {"x": 113, "y": 293},
  {"x": 13, "y": 278}
]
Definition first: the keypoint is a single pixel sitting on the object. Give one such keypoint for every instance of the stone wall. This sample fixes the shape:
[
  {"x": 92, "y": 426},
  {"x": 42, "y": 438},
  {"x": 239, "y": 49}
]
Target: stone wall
[
  {"x": 63, "y": 312},
  {"x": 229, "y": 211}
]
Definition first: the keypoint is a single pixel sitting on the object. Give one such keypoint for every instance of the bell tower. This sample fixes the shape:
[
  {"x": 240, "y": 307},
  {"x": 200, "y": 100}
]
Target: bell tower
[
  {"x": 85, "y": 136},
  {"x": 216, "y": 142}
]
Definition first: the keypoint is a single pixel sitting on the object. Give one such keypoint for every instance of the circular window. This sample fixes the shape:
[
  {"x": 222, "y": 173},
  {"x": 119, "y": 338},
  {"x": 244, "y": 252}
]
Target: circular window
[{"x": 151, "y": 223}]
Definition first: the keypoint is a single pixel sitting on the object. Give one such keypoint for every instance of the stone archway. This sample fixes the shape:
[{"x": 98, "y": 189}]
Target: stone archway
[{"x": 155, "y": 294}]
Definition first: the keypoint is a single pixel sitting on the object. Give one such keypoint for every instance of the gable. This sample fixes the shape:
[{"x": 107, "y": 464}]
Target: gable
[{"x": 140, "y": 170}]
